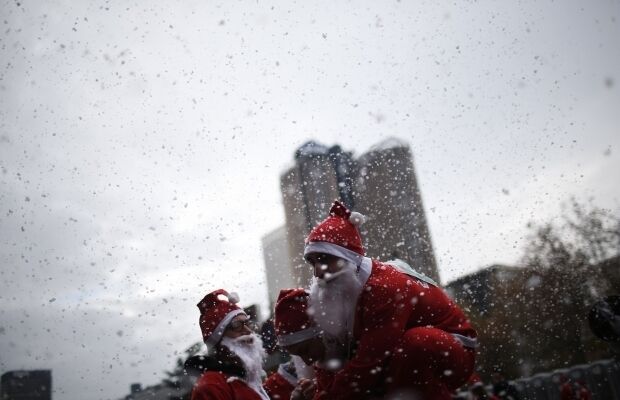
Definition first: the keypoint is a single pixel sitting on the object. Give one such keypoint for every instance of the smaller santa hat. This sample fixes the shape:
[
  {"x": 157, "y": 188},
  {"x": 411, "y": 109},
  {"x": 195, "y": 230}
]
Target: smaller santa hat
[
  {"x": 292, "y": 322},
  {"x": 338, "y": 234},
  {"x": 217, "y": 309}
]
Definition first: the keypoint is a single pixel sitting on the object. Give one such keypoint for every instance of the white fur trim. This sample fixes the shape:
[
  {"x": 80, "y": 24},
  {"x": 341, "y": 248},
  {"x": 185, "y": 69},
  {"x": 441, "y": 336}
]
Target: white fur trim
[
  {"x": 218, "y": 332},
  {"x": 334, "y": 250},
  {"x": 363, "y": 263},
  {"x": 406, "y": 269},
  {"x": 357, "y": 219},
  {"x": 299, "y": 336},
  {"x": 466, "y": 341},
  {"x": 233, "y": 297},
  {"x": 287, "y": 375},
  {"x": 365, "y": 270}
]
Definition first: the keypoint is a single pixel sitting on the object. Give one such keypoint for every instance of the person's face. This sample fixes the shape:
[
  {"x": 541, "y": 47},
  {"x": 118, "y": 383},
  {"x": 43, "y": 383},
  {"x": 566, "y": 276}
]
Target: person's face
[
  {"x": 310, "y": 350},
  {"x": 238, "y": 326},
  {"x": 324, "y": 264}
]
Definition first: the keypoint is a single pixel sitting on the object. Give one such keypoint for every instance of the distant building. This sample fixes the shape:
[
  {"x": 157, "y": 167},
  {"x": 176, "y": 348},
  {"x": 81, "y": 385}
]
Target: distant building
[
  {"x": 26, "y": 385},
  {"x": 387, "y": 193},
  {"x": 308, "y": 188},
  {"x": 277, "y": 264},
  {"x": 380, "y": 184},
  {"x": 479, "y": 289},
  {"x": 163, "y": 391}
]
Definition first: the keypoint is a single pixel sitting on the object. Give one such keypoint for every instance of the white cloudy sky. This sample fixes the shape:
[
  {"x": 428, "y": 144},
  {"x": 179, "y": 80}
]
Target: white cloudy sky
[{"x": 141, "y": 145}]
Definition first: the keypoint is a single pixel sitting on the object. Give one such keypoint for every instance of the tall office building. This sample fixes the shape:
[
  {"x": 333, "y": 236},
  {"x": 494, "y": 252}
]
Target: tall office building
[
  {"x": 381, "y": 184},
  {"x": 319, "y": 176},
  {"x": 277, "y": 264},
  {"x": 387, "y": 193}
]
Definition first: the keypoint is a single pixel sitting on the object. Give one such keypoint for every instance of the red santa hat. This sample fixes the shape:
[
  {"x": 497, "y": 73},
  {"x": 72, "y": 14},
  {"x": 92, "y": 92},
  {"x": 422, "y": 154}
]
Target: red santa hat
[
  {"x": 292, "y": 322},
  {"x": 217, "y": 309},
  {"x": 338, "y": 235}
]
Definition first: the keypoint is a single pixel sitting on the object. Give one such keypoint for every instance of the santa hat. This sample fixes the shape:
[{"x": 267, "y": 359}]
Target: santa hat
[
  {"x": 338, "y": 235},
  {"x": 217, "y": 309},
  {"x": 292, "y": 322}
]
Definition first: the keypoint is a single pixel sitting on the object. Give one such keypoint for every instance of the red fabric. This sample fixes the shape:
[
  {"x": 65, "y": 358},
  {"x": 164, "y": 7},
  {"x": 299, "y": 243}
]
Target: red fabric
[
  {"x": 430, "y": 362},
  {"x": 390, "y": 304},
  {"x": 324, "y": 379},
  {"x": 338, "y": 230},
  {"x": 277, "y": 387},
  {"x": 584, "y": 394},
  {"x": 219, "y": 386},
  {"x": 291, "y": 311},
  {"x": 566, "y": 391},
  {"x": 213, "y": 310}
]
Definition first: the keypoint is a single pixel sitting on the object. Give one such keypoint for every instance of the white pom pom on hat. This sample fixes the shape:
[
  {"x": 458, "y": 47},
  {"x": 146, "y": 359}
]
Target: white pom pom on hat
[
  {"x": 357, "y": 219},
  {"x": 233, "y": 297}
]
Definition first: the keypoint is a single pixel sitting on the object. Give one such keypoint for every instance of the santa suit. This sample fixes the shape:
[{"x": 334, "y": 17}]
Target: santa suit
[
  {"x": 215, "y": 385},
  {"x": 407, "y": 334},
  {"x": 221, "y": 372}
]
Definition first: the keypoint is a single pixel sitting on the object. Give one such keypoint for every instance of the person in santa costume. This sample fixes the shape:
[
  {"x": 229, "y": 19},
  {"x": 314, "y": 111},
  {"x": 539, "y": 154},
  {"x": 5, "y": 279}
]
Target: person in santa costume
[
  {"x": 300, "y": 337},
  {"x": 387, "y": 332},
  {"x": 232, "y": 368}
]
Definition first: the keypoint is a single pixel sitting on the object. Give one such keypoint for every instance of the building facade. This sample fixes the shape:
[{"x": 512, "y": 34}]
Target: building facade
[
  {"x": 319, "y": 176},
  {"x": 387, "y": 193},
  {"x": 277, "y": 264},
  {"x": 26, "y": 385}
]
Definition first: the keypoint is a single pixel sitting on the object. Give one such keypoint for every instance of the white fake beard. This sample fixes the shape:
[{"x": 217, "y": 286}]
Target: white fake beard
[
  {"x": 251, "y": 354},
  {"x": 333, "y": 301}
]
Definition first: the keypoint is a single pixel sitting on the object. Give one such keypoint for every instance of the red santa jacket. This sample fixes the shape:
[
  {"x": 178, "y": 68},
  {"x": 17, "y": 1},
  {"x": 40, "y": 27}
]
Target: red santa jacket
[
  {"x": 390, "y": 303},
  {"x": 214, "y": 385}
]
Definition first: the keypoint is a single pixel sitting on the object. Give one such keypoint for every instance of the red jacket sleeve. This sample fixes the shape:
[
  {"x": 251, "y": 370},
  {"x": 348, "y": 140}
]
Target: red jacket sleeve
[
  {"x": 212, "y": 386},
  {"x": 323, "y": 379},
  {"x": 384, "y": 314}
]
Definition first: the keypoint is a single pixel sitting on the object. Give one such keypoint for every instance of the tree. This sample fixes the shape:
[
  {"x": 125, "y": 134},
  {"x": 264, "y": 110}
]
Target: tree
[
  {"x": 563, "y": 260},
  {"x": 177, "y": 379},
  {"x": 537, "y": 320}
]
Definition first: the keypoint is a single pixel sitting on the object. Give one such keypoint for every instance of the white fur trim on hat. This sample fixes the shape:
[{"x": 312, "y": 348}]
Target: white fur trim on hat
[
  {"x": 233, "y": 297},
  {"x": 218, "y": 332},
  {"x": 357, "y": 219},
  {"x": 334, "y": 250},
  {"x": 363, "y": 263},
  {"x": 299, "y": 336}
]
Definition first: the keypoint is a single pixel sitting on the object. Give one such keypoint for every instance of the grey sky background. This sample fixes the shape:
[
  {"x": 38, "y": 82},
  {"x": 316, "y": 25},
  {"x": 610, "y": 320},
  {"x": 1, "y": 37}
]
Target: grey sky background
[{"x": 141, "y": 146}]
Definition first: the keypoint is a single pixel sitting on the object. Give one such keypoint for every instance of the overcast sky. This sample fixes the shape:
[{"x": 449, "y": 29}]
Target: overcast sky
[{"x": 141, "y": 146}]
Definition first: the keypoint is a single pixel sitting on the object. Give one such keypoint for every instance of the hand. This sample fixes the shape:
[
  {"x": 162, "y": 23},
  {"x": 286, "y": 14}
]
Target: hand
[{"x": 304, "y": 390}]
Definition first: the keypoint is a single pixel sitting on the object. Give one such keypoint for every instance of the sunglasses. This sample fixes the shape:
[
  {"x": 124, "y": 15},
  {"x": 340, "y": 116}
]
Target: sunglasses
[
  {"x": 238, "y": 325},
  {"x": 319, "y": 258}
]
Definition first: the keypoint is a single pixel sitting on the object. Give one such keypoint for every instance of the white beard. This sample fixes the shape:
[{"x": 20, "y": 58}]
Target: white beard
[
  {"x": 332, "y": 306},
  {"x": 251, "y": 354}
]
